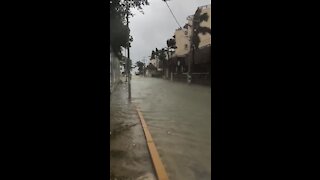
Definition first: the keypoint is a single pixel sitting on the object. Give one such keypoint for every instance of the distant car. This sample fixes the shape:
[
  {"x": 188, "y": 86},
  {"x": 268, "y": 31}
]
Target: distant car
[{"x": 137, "y": 73}]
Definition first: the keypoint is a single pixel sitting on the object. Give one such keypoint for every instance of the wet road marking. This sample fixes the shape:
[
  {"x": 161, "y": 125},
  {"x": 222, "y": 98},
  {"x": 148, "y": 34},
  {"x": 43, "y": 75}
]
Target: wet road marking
[{"x": 157, "y": 163}]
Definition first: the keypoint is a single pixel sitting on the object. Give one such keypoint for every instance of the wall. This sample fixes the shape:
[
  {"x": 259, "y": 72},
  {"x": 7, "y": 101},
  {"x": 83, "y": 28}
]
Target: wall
[
  {"x": 182, "y": 40},
  {"x": 114, "y": 72}
]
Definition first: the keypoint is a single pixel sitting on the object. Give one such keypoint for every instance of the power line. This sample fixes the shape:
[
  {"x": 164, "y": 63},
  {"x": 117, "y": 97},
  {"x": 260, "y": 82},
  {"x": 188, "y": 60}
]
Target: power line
[{"x": 172, "y": 13}]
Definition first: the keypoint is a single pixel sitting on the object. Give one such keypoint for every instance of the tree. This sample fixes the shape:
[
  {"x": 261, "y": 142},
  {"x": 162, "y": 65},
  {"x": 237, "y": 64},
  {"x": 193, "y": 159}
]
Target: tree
[
  {"x": 160, "y": 54},
  {"x": 171, "y": 43},
  {"x": 140, "y": 66},
  {"x": 153, "y": 55},
  {"x": 119, "y": 32},
  {"x": 197, "y": 29},
  {"x": 151, "y": 67},
  {"x": 162, "y": 57},
  {"x": 195, "y": 39}
]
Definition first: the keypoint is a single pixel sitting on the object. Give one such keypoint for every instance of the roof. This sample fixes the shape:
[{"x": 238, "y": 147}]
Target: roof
[{"x": 205, "y": 6}]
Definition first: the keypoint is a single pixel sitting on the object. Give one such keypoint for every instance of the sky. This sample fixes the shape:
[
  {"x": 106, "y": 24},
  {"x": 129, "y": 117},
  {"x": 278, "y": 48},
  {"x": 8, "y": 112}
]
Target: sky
[{"x": 152, "y": 29}]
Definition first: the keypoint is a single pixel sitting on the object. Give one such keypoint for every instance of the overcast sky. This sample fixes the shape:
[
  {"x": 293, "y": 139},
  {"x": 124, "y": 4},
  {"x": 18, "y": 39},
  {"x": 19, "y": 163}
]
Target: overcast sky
[{"x": 152, "y": 29}]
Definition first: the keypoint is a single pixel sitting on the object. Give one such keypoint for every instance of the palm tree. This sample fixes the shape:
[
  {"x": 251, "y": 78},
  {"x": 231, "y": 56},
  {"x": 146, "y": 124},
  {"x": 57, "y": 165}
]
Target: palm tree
[
  {"x": 140, "y": 65},
  {"x": 197, "y": 29},
  {"x": 171, "y": 44}
]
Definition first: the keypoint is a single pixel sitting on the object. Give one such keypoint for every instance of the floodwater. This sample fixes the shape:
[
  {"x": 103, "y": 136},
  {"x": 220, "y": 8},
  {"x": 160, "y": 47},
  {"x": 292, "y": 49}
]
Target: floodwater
[
  {"x": 129, "y": 156},
  {"x": 179, "y": 119}
]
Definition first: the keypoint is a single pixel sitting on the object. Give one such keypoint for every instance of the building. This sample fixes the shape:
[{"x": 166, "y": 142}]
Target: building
[
  {"x": 152, "y": 71},
  {"x": 200, "y": 59},
  {"x": 180, "y": 55},
  {"x": 183, "y": 52},
  {"x": 202, "y": 56},
  {"x": 155, "y": 62},
  {"x": 182, "y": 38},
  {"x": 183, "y": 35}
]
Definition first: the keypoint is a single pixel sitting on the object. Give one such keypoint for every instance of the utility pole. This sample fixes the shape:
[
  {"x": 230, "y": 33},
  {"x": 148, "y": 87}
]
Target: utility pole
[{"x": 128, "y": 60}]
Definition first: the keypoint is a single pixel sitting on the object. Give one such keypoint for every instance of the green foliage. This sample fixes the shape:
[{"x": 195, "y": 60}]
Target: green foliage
[
  {"x": 153, "y": 54},
  {"x": 197, "y": 29},
  {"x": 119, "y": 32},
  {"x": 171, "y": 43},
  {"x": 140, "y": 66},
  {"x": 162, "y": 55},
  {"x": 162, "y": 58}
]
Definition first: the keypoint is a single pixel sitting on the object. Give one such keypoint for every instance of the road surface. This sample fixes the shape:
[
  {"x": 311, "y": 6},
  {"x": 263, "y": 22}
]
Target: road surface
[{"x": 179, "y": 118}]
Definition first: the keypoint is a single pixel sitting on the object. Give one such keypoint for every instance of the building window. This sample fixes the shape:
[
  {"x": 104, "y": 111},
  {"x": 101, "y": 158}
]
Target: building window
[
  {"x": 186, "y": 46},
  {"x": 186, "y": 33}
]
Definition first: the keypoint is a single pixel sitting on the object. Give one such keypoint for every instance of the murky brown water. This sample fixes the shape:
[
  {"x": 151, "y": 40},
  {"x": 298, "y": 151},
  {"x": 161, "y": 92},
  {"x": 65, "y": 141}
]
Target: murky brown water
[
  {"x": 179, "y": 119},
  {"x": 129, "y": 156}
]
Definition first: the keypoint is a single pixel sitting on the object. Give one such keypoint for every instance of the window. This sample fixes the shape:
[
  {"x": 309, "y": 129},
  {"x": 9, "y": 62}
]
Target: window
[
  {"x": 186, "y": 46},
  {"x": 186, "y": 33}
]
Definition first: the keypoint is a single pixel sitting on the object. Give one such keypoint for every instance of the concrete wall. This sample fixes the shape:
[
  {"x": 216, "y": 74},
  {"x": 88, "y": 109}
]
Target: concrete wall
[{"x": 114, "y": 71}]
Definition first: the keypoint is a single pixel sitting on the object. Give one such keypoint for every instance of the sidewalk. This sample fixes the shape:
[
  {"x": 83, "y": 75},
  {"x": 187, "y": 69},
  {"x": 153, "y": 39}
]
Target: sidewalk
[{"x": 129, "y": 155}]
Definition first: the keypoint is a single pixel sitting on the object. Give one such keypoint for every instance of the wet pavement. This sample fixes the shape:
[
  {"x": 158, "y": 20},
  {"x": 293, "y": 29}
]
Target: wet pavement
[
  {"x": 129, "y": 156},
  {"x": 179, "y": 118}
]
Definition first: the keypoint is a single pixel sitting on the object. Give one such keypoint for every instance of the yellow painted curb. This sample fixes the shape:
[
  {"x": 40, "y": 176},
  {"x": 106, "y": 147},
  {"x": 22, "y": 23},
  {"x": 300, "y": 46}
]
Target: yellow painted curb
[{"x": 157, "y": 163}]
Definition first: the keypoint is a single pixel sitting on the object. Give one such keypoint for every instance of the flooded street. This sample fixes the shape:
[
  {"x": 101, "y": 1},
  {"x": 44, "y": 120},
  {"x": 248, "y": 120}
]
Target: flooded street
[
  {"x": 179, "y": 118},
  {"x": 129, "y": 156}
]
